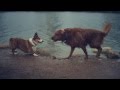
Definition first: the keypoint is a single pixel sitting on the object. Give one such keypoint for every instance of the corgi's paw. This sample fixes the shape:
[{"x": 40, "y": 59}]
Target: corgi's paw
[{"x": 35, "y": 55}]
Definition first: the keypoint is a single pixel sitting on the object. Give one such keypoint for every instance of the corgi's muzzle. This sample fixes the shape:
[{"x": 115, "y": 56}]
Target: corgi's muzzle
[{"x": 40, "y": 41}]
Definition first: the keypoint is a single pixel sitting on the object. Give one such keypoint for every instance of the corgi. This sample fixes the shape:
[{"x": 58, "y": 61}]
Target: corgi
[{"x": 25, "y": 45}]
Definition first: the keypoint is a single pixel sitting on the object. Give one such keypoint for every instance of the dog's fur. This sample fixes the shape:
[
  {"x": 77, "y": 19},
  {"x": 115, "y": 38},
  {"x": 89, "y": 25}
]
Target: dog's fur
[
  {"x": 25, "y": 45},
  {"x": 79, "y": 37}
]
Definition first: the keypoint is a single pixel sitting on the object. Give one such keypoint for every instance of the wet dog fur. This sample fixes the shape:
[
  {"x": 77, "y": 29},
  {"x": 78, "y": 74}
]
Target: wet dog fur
[
  {"x": 80, "y": 38},
  {"x": 25, "y": 45}
]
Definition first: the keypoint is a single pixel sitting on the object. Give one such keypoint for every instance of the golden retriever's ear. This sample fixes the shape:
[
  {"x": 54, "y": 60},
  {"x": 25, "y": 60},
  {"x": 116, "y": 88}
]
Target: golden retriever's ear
[
  {"x": 67, "y": 34},
  {"x": 62, "y": 31}
]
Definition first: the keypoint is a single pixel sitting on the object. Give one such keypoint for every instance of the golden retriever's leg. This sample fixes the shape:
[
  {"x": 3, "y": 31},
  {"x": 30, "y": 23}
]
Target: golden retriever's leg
[
  {"x": 85, "y": 51},
  {"x": 71, "y": 52},
  {"x": 99, "y": 52}
]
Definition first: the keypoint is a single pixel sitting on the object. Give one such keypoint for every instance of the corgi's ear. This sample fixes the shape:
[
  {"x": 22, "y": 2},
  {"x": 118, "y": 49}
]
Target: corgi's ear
[{"x": 36, "y": 34}]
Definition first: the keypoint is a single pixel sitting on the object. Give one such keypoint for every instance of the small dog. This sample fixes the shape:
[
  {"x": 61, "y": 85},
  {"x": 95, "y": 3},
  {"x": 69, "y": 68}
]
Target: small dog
[
  {"x": 79, "y": 37},
  {"x": 25, "y": 45}
]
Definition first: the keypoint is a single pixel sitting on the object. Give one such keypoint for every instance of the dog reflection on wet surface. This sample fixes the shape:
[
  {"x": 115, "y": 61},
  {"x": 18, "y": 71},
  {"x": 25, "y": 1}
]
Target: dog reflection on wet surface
[
  {"x": 80, "y": 38},
  {"x": 25, "y": 45},
  {"x": 109, "y": 53}
]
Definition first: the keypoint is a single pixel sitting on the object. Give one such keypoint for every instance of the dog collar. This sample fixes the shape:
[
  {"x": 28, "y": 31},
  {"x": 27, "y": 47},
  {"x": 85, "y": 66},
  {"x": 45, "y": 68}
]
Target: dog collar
[{"x": 31, "y": 41}]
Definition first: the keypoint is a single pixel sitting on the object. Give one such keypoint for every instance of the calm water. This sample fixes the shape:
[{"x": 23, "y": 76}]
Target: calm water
[{"x": 25, "y": 24}]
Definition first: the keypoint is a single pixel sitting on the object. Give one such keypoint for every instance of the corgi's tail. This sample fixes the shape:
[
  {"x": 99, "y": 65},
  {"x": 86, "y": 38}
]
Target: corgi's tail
[{"x": 6, "y": 45}]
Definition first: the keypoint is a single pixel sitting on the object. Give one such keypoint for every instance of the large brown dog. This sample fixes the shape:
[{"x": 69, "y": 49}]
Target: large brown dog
[
  {"x": 25, "y": 45},
  {"x": 79, "y": 37}
]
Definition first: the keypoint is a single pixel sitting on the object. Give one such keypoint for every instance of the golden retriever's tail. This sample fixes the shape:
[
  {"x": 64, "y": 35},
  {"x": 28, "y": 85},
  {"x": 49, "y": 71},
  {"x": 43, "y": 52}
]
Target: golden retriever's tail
[{"x": 107, "y": 28}]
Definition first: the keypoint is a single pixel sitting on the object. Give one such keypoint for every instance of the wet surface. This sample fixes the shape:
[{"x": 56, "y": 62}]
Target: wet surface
[{"x": 22, "y": 66}]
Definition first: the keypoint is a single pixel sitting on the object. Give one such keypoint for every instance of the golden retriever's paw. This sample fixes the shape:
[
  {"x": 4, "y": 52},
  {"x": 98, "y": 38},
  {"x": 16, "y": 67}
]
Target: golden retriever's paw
[
  {"x": 54, "y": 57},
  {"x": 86, "y": 58},
  {"x": 67, "y": 58}
]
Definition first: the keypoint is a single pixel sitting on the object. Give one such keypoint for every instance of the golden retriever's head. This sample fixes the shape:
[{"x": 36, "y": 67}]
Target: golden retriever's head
[{"x": 58, "y": 35}]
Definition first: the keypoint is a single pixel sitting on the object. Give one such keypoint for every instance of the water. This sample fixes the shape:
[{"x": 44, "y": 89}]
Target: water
[{"x": 25, "y": 24}]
